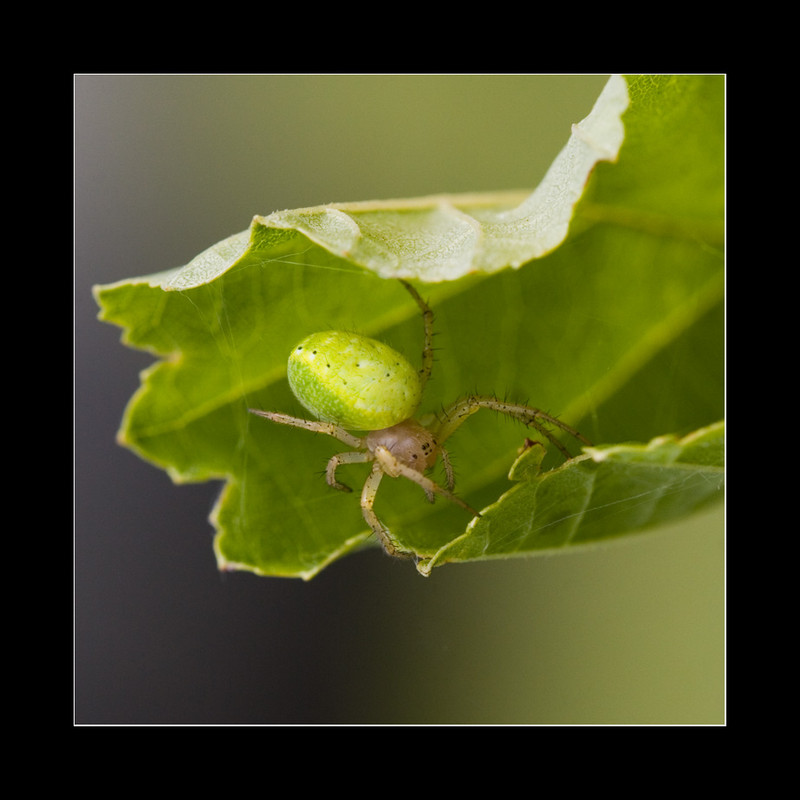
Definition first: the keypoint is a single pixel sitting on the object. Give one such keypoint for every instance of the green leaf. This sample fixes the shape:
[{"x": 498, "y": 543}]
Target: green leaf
[
  {"x": 439, "y": 238},
  {"x": 607, "y": 493},
  {"x": 618, "y": 331}
]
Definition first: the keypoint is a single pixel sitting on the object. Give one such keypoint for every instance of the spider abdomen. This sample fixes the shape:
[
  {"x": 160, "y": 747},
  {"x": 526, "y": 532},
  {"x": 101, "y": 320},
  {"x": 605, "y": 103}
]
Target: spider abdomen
[{"x": 353, "y": 381}]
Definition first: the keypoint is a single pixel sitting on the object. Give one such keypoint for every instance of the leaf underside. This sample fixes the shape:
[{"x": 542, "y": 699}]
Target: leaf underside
[{"x": 618, "y": 330}]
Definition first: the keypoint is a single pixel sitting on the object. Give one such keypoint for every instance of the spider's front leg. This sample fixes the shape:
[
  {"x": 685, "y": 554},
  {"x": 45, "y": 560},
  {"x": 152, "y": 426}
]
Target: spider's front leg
[
  {"x": 382, "y": 533},
  {"x": 315, "y": 426},
  {"x": 458, "y": 413},
  {"x": 328, "y": 428}
]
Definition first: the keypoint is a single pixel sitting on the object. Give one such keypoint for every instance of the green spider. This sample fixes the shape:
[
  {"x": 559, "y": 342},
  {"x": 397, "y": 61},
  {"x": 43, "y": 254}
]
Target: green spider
[{"x": 350, "y": 382}]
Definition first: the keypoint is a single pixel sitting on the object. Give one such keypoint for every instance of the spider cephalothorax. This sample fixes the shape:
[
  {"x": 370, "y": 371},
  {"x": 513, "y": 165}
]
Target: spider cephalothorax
[{"x": 353, "y": 383}]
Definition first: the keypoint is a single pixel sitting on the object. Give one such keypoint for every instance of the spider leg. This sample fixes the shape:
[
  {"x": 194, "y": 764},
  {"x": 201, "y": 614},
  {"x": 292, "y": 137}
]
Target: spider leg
[
  {"x": 368, "y": 493},
  {"x": 427, "y": 320},
  {"x": 391, "y": 466},
  {"x": 448, "y": 468},
  {"x": 461, "y": 410},
  {"x": 351, "y": 457},
  {"x": 311, "y": 425},
  {"x": 448, "y": 471}
]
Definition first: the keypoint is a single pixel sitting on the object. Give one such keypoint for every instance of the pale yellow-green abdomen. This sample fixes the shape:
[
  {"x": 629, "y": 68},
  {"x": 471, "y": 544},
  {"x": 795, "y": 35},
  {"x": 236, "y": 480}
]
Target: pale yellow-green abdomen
[{"x": 353, "y": 381}]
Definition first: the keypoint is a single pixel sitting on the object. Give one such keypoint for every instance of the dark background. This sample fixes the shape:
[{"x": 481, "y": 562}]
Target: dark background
[{"x": 164, "y": 167}]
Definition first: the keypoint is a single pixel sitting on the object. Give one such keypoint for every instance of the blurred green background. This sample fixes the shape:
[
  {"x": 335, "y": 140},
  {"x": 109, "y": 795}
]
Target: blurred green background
[{"x": 164, "y": 167}]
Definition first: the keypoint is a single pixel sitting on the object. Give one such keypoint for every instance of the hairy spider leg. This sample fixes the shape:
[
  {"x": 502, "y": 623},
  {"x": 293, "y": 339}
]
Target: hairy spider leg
[
  {"x": 425, "y": 372},
  {"x": 448, "y": 468},
  {"x": 378, "y": 528},
  {"x": 394, "y": 468},
  {"x": 351, "y": 457},
  {"x": 314, "y": 426},
  {"x": 455, "y": 415},
  {"x": 387, "y": 462},
  {"x": 427, "y": 321}
]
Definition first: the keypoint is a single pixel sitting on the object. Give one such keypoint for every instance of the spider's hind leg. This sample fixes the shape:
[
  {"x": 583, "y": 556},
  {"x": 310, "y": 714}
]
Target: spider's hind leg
[{"x": 427, "y": 322}]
